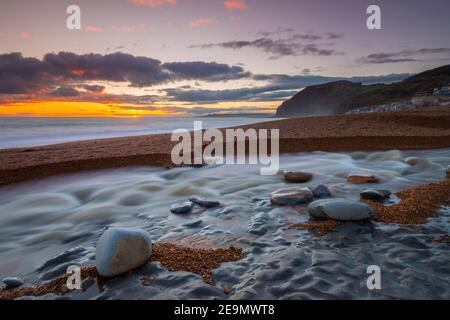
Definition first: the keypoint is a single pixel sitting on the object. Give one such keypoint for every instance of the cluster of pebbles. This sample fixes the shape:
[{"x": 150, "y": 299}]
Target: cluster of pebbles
[
  {"x": 322, "y": 204},
  {"x": 416, "y": 204}
]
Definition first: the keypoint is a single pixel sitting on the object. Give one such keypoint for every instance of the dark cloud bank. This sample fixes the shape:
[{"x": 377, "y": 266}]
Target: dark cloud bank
[
  {"x": 19, "y": 74},
  {"x": 69, "y": 76}
]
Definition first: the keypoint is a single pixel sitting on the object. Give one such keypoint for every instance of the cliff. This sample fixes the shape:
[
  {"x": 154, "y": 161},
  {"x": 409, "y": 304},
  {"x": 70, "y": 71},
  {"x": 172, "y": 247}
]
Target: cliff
[{"x": 342, "y": 96}]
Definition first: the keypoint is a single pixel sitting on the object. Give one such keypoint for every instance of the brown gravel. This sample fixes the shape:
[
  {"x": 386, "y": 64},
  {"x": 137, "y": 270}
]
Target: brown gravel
[
  {"x": 411, "y": 129},
  {"x": 172, "y": 257},
  {"x": 416, "y": 205},
  {"x": 56, "y": 286},
  {"x": 195, "y": 260}
]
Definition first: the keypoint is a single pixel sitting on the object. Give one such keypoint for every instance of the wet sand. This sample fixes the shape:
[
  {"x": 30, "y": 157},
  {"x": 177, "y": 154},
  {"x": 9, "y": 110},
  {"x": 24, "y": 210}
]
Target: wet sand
[{"x": 411, "y": 129}]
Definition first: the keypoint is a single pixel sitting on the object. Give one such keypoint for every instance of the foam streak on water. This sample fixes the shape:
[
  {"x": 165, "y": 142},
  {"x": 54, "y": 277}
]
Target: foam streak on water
[{"x": 46, "y": 226}]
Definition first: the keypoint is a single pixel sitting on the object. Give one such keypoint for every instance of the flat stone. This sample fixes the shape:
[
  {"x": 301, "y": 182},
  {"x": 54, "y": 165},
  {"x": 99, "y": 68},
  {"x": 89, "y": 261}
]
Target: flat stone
[
  {"x": 340, "y": 210},
  {"x": 122, "y": 249},
  {"x": 411, "y": 160},
  {"x": 322, "y": 191},
  {"x": 291, "y": 196},
  {"x": 297, "y": 176},
  {"x": 181, "y": 208},
  {"x": 360, "y": 178},
  {"x": 205, "y": 203},
  {"x": 375, "y": 194},
  {"x": 13, "y": 282}
]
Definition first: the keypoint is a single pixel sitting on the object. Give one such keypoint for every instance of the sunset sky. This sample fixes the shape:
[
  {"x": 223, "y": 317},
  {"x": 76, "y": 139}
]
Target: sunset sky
[{"x": 194, "y": 57}]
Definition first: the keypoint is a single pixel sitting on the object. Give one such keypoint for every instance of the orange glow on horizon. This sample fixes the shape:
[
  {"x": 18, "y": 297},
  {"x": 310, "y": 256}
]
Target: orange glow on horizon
[
  {"x": 76, "y": 109},
  {"x": 73, "y": 109}
]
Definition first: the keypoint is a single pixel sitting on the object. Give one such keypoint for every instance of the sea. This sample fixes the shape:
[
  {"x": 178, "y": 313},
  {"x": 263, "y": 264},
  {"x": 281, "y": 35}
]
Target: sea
[{"x": 30, "y": 132}]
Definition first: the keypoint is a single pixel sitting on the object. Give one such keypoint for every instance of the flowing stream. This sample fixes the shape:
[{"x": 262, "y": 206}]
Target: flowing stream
[{"x": 50, "y": 224}]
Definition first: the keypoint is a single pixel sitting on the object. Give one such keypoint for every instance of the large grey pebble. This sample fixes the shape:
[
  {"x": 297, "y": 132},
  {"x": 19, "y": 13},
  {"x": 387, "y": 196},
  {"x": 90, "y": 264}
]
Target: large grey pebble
[
  {"x": 122, "y": 249},
  {"x": 205, "y": 203},
  {"x": 184, "y": 207},
  {"x": 13, "y": 282},
  {"x": 340, "y": 209},
  {"x": 291, "y": 196},
  {"x": 447, "y": 172}
]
